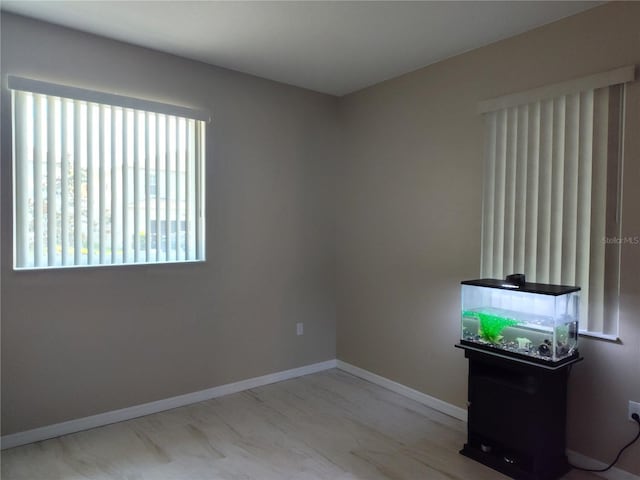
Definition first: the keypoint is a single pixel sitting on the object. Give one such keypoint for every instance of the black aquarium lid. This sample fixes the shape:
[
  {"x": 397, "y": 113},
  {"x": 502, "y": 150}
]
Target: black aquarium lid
[{"x": 529, "y": 287}]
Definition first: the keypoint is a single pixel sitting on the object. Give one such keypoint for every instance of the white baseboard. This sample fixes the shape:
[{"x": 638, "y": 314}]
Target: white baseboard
[
  {"x": 614, "y": 474},
  {"x": 423, "y": 398},
  {"x": 77, "y": 425}
]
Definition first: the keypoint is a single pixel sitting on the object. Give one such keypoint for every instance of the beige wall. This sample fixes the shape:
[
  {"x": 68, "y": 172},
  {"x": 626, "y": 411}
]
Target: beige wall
[
  {"x": 83, "y": 341},
  {"x": 409, "y": 223}
]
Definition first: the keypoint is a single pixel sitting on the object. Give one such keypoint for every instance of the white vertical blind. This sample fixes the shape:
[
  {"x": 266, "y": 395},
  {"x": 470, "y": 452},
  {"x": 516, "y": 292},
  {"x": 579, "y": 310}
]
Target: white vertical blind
[
  {"x": 51, "y": 183},
  {"x": 98, "y": 184},
  {"x": 520, "y": 198},
  {"x": 102, "y": 194},
  {"x": 157, "y": 183},
  {"x": 21, "y": 169},
  {"x": 38, "y": 162},
  {"x": 77, "y": 182},
  {"x": 147, "y": 187},
  {"x": 179, "y": 148},
  {"x": 190, "y": 191},
  {"x": 167, "y": 186},
  {"x": 500, "y": 166},
  {"x": 199, "y": 146},
  {"x": 599, "y": 195},
  {"x": 126, "y": 187},
  {"x": 532, "y": 187},
  {"x": 586, "y": 195},
  {"x": 550, "y": 181},
  {"x": 90, "y": 185},
  {"x": 136, "y": 187},
  {"x": 114, "y": 186}
]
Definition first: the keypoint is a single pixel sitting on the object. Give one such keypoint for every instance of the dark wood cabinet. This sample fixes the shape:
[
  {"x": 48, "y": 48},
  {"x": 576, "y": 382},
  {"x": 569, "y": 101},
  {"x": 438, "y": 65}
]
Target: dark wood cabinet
[{"x": 517, "y": 416}]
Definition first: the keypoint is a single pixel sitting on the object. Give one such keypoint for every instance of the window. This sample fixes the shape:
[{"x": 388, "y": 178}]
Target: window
[
  {"x": 101, "y": 179},
  {"x": 551, "y": 206}
]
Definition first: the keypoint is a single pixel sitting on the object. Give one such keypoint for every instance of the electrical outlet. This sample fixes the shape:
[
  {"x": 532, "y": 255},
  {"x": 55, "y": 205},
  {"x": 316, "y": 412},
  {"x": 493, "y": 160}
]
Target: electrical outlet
[
  {"x": 634, "y": 407},
  {"x": 300, "y": 330}
]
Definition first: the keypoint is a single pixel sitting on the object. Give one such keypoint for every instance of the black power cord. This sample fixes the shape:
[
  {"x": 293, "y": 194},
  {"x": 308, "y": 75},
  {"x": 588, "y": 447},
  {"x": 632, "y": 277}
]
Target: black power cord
[{"x": 634, "y": 416}]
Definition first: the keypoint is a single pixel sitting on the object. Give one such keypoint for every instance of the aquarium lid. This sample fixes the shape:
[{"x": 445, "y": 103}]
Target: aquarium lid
[{"x": 528, "y": 287}]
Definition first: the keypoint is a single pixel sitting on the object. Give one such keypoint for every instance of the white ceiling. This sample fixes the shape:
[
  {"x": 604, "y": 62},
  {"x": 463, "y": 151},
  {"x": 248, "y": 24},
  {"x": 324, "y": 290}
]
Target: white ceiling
[{"x": 331, "y": 47}]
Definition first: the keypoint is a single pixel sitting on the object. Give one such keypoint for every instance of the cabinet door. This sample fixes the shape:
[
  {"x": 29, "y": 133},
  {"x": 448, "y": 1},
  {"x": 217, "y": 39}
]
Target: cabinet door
[{"x": 503, "y": 408}]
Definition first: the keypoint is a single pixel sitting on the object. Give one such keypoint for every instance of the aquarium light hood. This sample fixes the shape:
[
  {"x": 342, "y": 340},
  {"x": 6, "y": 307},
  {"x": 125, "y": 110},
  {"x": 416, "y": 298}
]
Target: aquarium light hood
[{"x": 518, "y": 282}]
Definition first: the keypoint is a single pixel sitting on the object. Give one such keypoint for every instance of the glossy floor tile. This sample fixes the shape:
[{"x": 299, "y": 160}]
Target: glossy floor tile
[{"x": 328, "y": 425}]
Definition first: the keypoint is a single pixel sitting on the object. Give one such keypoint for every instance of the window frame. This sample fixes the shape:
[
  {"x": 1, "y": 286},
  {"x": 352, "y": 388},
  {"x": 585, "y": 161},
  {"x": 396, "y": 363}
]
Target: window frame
[
  {"x": 610, "y": 328},
  {"x": 189, "y": 129}
]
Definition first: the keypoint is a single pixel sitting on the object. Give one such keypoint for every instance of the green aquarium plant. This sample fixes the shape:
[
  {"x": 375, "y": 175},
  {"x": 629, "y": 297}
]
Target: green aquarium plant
[{"x": 491, "y": 326}]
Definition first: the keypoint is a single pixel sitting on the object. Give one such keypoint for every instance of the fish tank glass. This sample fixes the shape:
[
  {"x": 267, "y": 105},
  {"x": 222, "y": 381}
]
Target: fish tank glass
[{"x": 530, "y": 321}]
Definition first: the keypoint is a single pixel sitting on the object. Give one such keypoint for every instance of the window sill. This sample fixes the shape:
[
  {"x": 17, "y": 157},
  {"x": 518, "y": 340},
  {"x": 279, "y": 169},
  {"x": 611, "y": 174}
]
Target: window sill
[
  {"x": 106, "y": 266},
  {"x": 600, "y": 336}
]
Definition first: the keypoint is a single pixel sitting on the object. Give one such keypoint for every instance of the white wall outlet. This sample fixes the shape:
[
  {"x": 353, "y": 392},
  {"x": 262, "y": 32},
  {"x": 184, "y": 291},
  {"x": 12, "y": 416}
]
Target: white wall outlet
[
  {"x": 634, "y": 407},
  {"x": 299, "y": 328}
]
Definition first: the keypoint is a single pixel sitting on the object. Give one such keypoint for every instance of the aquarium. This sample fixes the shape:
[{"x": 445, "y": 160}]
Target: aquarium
[{"x": 532, "y": 321}]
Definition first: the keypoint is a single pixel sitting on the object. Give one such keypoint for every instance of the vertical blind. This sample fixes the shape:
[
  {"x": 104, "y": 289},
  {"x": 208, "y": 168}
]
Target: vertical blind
[
  {"x": 551, "y": 196},
  {"x": 103, "y": 184}
]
